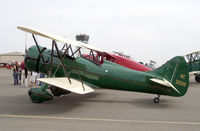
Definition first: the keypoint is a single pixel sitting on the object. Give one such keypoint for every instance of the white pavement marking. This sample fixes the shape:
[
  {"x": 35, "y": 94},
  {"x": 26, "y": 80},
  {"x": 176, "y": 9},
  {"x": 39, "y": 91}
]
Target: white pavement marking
[{"x": 98, "y": 119}]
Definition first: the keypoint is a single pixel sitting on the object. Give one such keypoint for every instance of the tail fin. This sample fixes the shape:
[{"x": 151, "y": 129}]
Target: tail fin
[{"x": 174, "y": 74}]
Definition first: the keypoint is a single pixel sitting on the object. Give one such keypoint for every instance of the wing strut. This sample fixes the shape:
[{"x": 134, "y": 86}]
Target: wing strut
[
  {"x": 66, "y": 51},
  {"x": 40, "y": 52},
  {"x": 61, "y": 60},
  {"x": 79, "y": 75},
  {"x": 52, "y": 53}
]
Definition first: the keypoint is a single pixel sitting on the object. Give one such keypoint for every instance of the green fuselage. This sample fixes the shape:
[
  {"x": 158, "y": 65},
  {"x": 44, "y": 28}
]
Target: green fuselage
[{"x": 106, "y": 75}]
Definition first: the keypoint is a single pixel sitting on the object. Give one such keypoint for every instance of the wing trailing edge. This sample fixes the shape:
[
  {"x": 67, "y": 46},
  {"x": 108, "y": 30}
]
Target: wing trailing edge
[
  {"x": 63, "y": 82},
  {"x": 164, "y": 82}
]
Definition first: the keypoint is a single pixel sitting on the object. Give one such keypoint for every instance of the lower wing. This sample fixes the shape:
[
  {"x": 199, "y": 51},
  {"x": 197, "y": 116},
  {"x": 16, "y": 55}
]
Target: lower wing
[{"x": 63, "y": 82}]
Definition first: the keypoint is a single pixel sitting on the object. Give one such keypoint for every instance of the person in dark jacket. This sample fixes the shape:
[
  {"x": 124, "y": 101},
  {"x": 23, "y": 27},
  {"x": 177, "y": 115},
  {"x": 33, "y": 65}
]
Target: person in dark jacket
[{"x": 15, "y": 75}]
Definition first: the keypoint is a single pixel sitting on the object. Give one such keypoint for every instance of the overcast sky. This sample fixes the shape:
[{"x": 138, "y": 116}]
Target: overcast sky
[{"x": 145, "y": 29}]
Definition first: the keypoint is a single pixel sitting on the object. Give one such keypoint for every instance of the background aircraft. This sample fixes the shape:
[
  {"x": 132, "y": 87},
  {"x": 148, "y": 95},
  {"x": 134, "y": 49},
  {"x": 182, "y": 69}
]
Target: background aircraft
[
  {"x": 124, "y": 61},
  {"x": 117, "y": 57},
  {"x": 194, "y": 64},
  {"x": 67, "y": 73}
]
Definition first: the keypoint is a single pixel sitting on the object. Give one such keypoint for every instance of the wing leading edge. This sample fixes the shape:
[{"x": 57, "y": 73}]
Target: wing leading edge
[
  {"x": 58, "y": 38},
  {"x": 63, "y": 83}
]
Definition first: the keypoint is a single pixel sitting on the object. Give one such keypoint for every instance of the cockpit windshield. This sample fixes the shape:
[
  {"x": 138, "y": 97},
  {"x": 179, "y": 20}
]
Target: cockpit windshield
[{"x": 95, "y": 57}]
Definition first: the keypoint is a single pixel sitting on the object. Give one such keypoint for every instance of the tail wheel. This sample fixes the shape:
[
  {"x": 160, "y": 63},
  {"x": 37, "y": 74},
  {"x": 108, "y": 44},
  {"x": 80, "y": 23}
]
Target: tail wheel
[{"x": 157, "y": 99}]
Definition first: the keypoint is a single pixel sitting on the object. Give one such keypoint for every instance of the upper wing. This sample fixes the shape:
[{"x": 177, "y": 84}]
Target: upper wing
[
  {"x": 165, "y": 83},
  {"x": 63, "y": 83},
  {"x": 58, "y": 38}
]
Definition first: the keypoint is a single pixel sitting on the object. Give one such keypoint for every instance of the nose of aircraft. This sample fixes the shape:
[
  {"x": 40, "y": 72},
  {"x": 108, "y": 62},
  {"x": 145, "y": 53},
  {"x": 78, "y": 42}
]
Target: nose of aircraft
[{"x": 32, "y": 58}]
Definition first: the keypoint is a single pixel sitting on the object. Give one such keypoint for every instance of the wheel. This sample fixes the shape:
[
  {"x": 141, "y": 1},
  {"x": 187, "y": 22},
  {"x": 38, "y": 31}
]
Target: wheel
[
  {"x": 58, "y": 91},
  {"x": 197, "y": 78},
  {"x": 156, "y": 100}
]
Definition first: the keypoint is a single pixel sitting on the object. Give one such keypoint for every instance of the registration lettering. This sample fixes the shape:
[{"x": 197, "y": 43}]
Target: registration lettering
[
  {"x": 180, "y": 83},
  {"x": 182, "y": 76}
]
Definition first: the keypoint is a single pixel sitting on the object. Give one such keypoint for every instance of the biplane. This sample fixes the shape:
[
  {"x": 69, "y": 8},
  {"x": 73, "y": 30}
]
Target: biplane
[
  {"x": 193, "y": 61},
  {"x": 70, "y": 70}
]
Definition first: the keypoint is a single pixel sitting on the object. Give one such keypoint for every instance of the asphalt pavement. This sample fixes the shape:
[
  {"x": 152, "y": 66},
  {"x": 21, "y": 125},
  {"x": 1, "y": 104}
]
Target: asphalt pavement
[{"x": 107, "y": 110}]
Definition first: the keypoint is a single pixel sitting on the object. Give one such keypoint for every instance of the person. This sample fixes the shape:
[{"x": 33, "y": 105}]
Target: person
[
  {"x": 20, "y": 74},
  {"x": 17, "y": 71},
  {"x": 33, "y": 79},
  {"x": 23, "y": 73},
  {"x": 15, "y": 75},
  {"x": 36, "y": 81},
  {"x": 42, "y": 75},
  {"x": 26, "y": 81}
]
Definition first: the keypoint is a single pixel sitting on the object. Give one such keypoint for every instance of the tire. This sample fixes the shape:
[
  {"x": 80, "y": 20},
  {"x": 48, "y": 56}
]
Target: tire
[{"x": 156, "y": 100}]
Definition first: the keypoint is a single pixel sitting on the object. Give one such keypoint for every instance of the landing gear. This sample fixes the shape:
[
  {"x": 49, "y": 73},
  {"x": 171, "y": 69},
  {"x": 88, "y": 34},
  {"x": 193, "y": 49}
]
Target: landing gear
[
  {"x": 58, "y": 91},
  {"x": 37, "y": 95},
  {"x": 156, "y": 99},
  {"x": 197, "y": 78}
]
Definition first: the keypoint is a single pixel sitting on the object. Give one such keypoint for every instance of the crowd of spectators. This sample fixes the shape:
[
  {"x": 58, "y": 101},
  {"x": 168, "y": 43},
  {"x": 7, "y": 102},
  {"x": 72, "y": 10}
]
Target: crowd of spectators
[{"x": 25, "y": 78}]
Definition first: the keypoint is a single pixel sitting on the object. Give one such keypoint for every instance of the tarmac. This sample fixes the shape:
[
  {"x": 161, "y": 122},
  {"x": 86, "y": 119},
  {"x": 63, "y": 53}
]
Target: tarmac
[{"x": 104, "y": 109}]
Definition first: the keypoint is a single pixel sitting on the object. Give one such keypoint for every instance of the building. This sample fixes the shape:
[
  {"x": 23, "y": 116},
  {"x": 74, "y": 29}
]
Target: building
[{"x": 11, "y": 57}]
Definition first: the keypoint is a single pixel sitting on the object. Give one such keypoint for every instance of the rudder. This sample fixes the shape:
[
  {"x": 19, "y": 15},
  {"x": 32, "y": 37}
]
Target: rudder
[{"x": 176, "y": 72}]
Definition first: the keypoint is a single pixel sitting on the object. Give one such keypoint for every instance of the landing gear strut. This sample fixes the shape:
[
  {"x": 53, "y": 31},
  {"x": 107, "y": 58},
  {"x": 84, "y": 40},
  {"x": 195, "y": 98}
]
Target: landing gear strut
[
  {"x": 58, "y": 91},
  {"x": 156, "y": 99}
]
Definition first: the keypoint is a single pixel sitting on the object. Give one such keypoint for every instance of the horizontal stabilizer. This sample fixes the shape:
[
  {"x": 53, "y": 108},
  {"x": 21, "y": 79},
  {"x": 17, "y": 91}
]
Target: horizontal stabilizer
[
  {"x": 63, "y": 82},
  {"x": 164, "y": 82}
]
